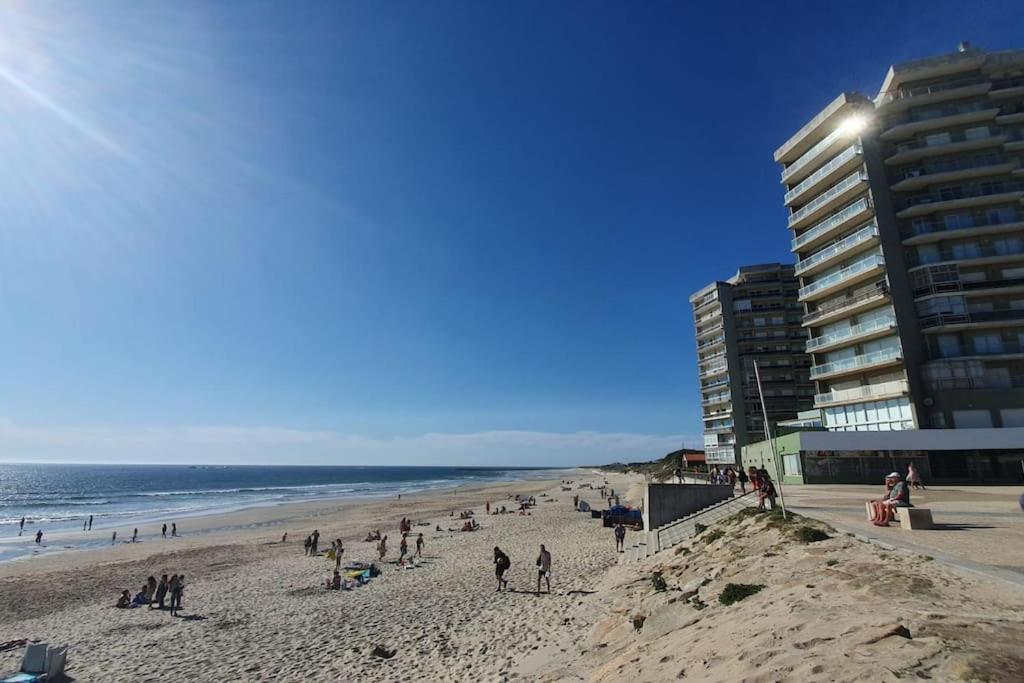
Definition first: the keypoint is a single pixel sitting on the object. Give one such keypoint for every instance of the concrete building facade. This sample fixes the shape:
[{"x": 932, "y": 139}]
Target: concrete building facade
[
  {"x": 907, "y": 225},
  {"x": 752, "y": 316}
]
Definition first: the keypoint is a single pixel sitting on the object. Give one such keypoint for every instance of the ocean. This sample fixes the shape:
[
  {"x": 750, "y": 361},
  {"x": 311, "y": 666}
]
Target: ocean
[{"x": 57, "y": 498}]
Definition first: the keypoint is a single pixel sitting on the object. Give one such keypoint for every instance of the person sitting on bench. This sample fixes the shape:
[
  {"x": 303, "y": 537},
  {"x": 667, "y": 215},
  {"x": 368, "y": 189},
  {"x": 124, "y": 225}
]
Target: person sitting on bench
[{"x": 897, "y": 494}]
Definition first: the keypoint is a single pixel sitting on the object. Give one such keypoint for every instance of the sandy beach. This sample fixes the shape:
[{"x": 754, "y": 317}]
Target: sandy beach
[
  {"x": 838, "y": 609},
  {"x": 254, "y": 609}
]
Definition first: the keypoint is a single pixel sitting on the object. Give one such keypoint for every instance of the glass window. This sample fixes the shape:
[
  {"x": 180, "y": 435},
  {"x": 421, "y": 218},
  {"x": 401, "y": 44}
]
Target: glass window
[
  {"x": 977, "y": 133},
  {"x": 971, "y": 418}
]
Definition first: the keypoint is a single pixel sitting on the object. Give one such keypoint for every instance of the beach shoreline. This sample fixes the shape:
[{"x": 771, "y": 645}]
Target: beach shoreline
[{"x": 229, "y": 518}]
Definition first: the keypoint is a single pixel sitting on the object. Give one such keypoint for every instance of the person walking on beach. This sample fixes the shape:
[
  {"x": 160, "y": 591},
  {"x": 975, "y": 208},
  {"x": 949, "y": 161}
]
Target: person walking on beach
[
  {"x": 501, "y": 567},
  {"x": 135, "y": 534},
  {"x": 84, "y": 524},
  {"x": 21, "y": 528},
  {"x": 742, "y": 478},
  {"x": 403, "y": 549},
  {"x": 39, "y": 537},
  {"x": 914, "y": 477},
  {"x": 161, "y": 593},
  {"x": 620, "y": 538},
  {"x": 419, "y": 545},
  {"x": 544, "y": 568},
  {"x": 174, "y": 529},
  {"x": 163, "y": 530},
  {"x": 113, "y": 538},
  {"x": 315, "y": 543},
  {"x": 382, "y": 548},
  {"x": 307, "y": 545},
  {"x": 90, "y": 522}
]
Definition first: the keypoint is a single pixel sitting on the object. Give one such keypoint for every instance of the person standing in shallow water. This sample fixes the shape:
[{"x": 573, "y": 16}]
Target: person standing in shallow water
[
  {"x": 90, "y": 522},
  {"x": 39, "y": 537},
  {"x": 163, "y": 530}
]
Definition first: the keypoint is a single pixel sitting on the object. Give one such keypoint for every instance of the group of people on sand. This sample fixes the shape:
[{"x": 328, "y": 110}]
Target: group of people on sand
[
  {"x": 503, "y": 563},
  {"x": 154, "y": 594}
]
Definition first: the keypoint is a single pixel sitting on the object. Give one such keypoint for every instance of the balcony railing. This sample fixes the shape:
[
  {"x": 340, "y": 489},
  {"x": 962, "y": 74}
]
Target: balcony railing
[
  {"x": 705, "y": 359},
  {"x": 840, "y": 276},
  {"x": 940, "y": 112},
  {"x": 811, "y": 154},
  {"x": 711, "y": 342},
  {"x": 717, "y": 383},
  {"x": 964, "y": 192},
  {"x": 827, "y": 196},
  {"x": 865, "y": 234},
  {"x": 986, "y": 381},
  {"x": 717, "y": 398},
  {"x": 813, "y": 179},
  {"x": 954, "y": 138},
  {"x": 863, "y": 361},
  {"x": 973, "y": 220},
  {"x": 966, "y": 350},
  {"x": 917, "y": 91},
  {"x": 953, "y": 165},
  {"x": 863, "y": 393},
  {"x": 940, "y": 319},
  {"x": 718, "y": 429},
  {"x": 714, "y": 370},
  {"x": 961, "y": 286},
  {"x": 851, "y": 301},
  {"x": 852, "y": 332},
  {"x": 969, "y": 251},
  {"x": 829, "y": 224}
]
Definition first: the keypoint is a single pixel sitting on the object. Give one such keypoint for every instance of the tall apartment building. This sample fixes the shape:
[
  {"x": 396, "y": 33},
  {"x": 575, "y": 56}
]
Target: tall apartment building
[
  {"x": 908, "y": 231},
  {"x": 752, "y": 316}
]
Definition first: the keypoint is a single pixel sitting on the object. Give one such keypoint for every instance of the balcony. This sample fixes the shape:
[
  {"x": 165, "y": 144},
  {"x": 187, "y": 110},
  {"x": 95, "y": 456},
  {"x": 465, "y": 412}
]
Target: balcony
[
  {"x": 856, "y": 364},
  {"x": 803, "y": 167},
  {"x": 716, "y": 383},
  {"x": 719, "y": 428},
  {"x": 973, "y": 252},
  {"x": 845, "y": 161},
  {"x": 867, "y": 392},
  {"x": 921, "y": 95},
  {"x": 710, "y": 357},
  {"x": 983, "y": 381},
  {"x": 944, "y": 117},
  {"x": 980, "y": 223},
  {"x": 830, "y": 254},
  {"x": 909, "y": 152},
  {"x": 952, "y": 286},
  {"x": 980, "y": 318},
  {"x": 1003, "y": 348},
  {"x": 1007, "y": 87},
  {"x": 842, "y": 191},
  {"x": 955, "y": 169},
  {"x": 711, "y": 329},
  {"x": 714, "y": 370},
  {"x": 846, "y": 217},
  {"x": 710, "y": 343},
  {"x": 855, "y": 302},
  {"x": 950, "y": 198},
  {"x": 717, "y": 398},
  {"x": 854, "y": 333},
  {"x": 856, "y": 272}
]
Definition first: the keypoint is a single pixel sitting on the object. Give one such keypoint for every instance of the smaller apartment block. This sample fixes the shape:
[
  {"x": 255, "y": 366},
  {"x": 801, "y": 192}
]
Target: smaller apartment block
[{"x": 752, "y": 316}]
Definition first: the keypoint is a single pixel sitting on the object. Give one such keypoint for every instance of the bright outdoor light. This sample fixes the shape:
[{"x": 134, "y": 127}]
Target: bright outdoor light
[{"x": 853, "y": 125}]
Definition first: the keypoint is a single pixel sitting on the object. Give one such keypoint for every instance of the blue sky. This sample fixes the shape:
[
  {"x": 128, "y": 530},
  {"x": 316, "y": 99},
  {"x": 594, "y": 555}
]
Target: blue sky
[{"x": 376, "y": 226}]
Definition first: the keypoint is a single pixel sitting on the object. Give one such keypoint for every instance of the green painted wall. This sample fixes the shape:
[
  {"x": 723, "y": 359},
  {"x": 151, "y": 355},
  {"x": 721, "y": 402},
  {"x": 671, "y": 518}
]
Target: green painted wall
[{"x": 760, "y": 455}]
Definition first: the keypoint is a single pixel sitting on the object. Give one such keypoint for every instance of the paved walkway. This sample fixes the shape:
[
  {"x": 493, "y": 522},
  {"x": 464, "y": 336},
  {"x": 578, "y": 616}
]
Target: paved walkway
[{"x": 978, "y": 528}]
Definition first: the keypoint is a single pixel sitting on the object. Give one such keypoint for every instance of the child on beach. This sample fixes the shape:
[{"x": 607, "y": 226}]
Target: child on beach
[{"x": 419, "y": 545}]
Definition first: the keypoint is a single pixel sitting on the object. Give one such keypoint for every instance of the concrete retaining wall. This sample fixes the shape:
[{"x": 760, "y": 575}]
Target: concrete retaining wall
[{"x": 664, "y": 503}]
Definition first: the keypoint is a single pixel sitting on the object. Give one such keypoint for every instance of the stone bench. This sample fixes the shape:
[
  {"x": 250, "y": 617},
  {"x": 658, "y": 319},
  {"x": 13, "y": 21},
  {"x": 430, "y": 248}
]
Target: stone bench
[{"x": 909, "y": 518}]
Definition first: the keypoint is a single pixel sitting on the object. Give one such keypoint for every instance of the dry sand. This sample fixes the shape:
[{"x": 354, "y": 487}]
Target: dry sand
[{"x": 253, "y": 611}]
